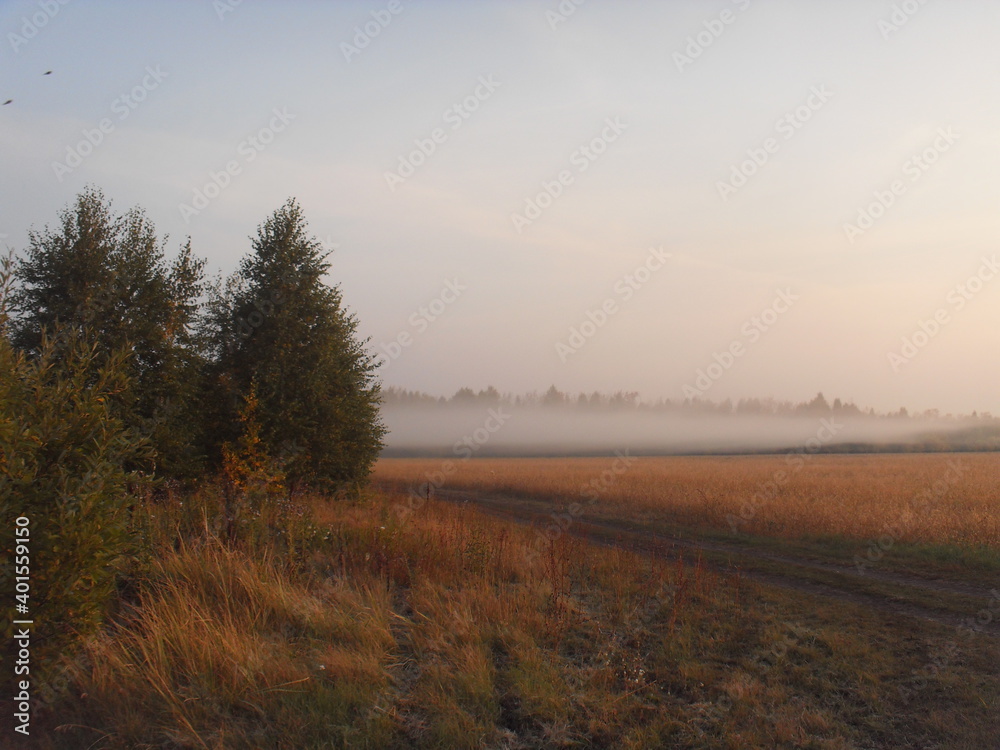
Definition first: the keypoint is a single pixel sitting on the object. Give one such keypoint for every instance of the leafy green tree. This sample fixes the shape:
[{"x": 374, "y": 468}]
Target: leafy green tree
[
  {"x": 108, "y": 275},
  {"x": 62, "y": 479},
  {"x": 276, "y": 324}
]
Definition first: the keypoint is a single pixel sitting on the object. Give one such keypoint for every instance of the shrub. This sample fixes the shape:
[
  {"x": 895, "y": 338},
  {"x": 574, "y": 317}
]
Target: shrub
[{"x": 63, "y": 453}]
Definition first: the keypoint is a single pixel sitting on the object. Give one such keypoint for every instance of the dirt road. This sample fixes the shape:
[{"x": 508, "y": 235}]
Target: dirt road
[{"x": 885, "y": 590}]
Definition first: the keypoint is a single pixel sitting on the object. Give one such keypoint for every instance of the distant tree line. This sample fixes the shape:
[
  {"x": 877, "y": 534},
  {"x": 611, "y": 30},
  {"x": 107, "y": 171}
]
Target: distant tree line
[{"x": 630, "y": 400}]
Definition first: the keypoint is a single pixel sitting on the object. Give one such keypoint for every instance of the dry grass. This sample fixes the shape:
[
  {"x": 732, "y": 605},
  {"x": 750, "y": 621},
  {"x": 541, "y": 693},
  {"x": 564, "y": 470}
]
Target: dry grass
[
  {"x": 356, "y": 626},
  {"x": 221, "y": 647},
  {"x": 856, "y": 496}
]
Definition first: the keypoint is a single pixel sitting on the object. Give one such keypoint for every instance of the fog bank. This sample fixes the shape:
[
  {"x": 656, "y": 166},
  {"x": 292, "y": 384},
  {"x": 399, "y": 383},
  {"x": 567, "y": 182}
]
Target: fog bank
[{"x": 478, "y": 430}]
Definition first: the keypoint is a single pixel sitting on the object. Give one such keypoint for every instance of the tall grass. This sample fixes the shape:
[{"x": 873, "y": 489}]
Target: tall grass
[
  {"x": 918, "y": 498},
  {"x": 340, "y": 624}
]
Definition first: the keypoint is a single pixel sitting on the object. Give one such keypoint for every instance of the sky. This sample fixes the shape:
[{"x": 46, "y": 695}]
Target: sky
[{"x": 725, "y": 199}]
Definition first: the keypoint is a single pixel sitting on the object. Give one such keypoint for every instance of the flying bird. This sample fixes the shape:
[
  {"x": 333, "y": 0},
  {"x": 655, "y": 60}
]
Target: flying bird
[
  {"x": 47, "y": 73},
  {"x": 7, "y": 102}
]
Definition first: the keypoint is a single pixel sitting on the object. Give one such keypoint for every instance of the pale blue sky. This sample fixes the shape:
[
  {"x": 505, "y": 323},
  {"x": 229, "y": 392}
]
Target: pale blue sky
[{"x": 656, "y": 184}]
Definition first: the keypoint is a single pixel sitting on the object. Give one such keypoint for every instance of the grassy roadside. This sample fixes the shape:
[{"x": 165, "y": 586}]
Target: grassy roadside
[
  {"x": 954, "y": 594},
  {"x": 356, "y": 624}
]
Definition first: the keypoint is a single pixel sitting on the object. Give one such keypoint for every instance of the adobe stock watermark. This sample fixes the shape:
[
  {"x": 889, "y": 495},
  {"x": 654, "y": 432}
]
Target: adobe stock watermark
[
  {"x": 624, "y": 289},
  {"x": 786, "y": 126},
  {"x": 33, "y": 24},
  {"x": 923, "y": 503},
  {"x": 581, "y": 159},
  {"x": 957, "y": 298},
  {"x": 751, "y": 332},
  {"x": 225, "y": 7},
  {"x": 563, "y": 11},
  {"x": 714, "y": 28},
  {"x": 914, "y": 168},
  {"x": 463, "y": 449},
  {"x": 591, "y": 491},
  {"x": 249, "y": 149},
  {"x": 899, "y": 17},
  {"x": 123, "y": 106},
  {"x": 455, "y": 116},
  {"x": 365, "y": 33},
  {"x": 421, "y": 320},
  {"x": 795, "y": 461}
]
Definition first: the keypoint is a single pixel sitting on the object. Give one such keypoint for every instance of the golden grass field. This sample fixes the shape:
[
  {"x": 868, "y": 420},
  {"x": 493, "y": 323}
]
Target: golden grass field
[{"x": 917, "y": 498}]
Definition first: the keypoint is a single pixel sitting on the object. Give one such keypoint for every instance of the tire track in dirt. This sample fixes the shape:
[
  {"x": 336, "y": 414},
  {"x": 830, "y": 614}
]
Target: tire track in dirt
[{"x": 611, "y": 534}]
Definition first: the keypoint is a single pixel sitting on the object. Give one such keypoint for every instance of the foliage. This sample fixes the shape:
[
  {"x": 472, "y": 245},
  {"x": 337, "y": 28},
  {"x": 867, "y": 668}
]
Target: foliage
[
  {"x": 278, "y": 325},
  {"x": 246, "y": 467},
  {"x": 62, "y": 453},
  {"x": 106, "y": 277},
  {"x": 253, "y": 482}
]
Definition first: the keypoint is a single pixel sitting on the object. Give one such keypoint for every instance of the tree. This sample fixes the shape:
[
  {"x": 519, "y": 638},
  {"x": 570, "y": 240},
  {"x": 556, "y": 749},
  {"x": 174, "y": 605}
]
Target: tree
[
  {"x": 464, "y": 396},
  {"x": 276, "y": 325},
  {"x": 252, "y": 481},
  {"x": 107, "y": 277},
  {"x": 554, "y": 397},
  {"x": 490, "y": 396},
  {"x": 62, "y": 478},
  {"x": 818, "y": 405}
]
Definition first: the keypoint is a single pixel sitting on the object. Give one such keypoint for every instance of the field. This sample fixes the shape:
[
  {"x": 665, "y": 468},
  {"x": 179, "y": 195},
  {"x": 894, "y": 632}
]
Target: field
[
  {"x": 927, "y": 498},
  {"x": 521, "y": 606},
  {"x": 934, "y": 515},
  {"x": 911, "y": 538}
]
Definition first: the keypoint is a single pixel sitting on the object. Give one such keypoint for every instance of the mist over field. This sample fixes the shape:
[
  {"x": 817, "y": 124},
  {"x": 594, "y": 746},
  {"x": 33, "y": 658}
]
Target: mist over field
[
  {"x": 478, "y": 430},
  {"x": 424, "y": 375}
]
